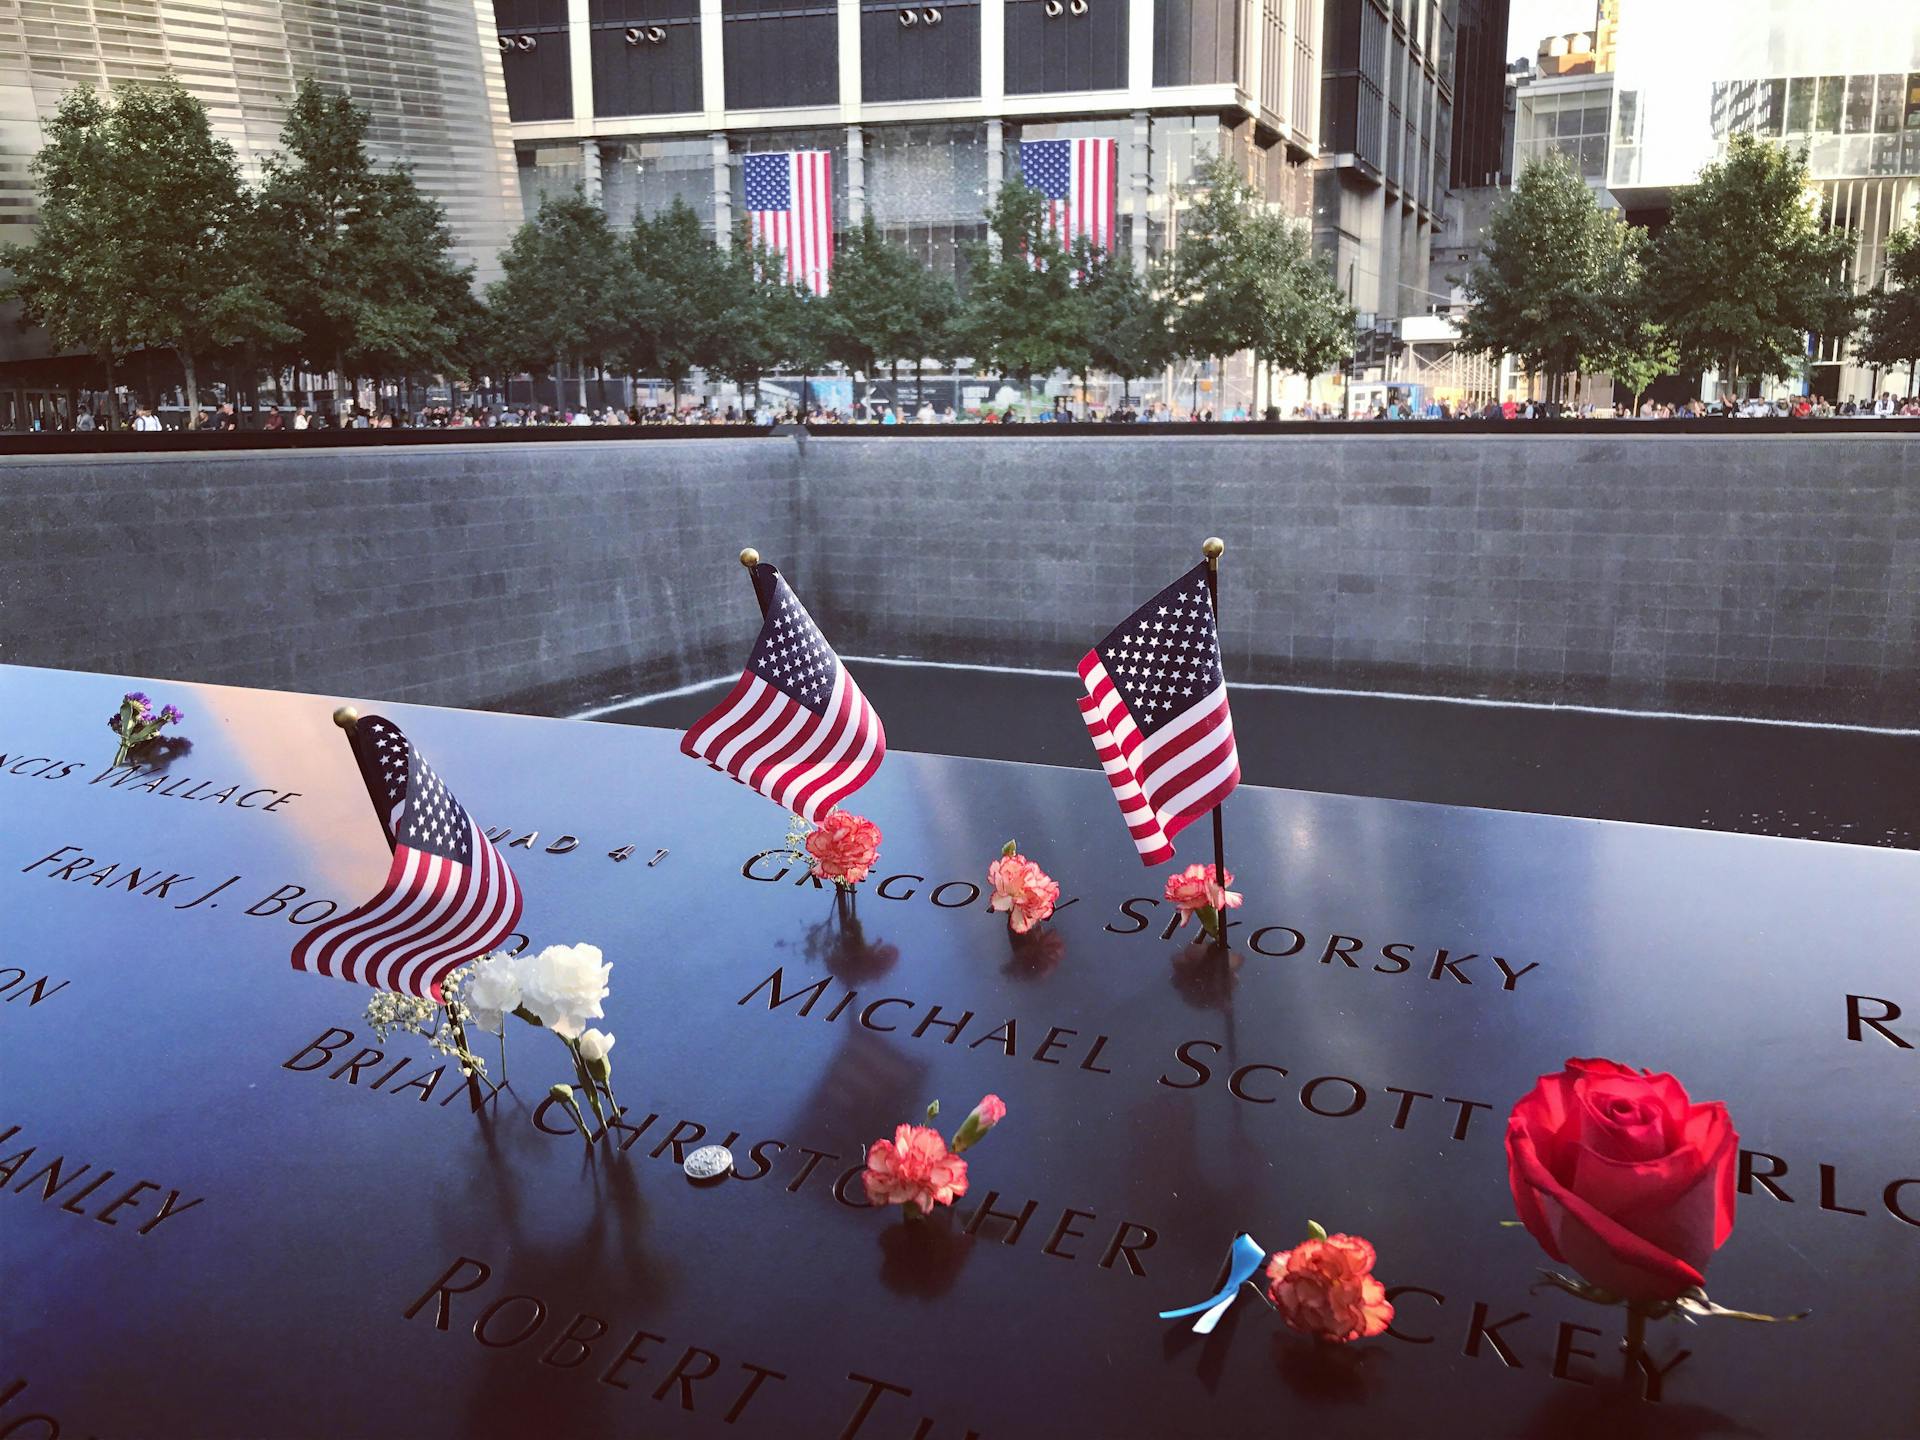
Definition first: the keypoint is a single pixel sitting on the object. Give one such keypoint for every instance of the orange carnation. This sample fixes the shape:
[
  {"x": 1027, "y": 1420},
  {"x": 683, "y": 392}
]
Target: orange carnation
[{"x": 1325, "y": 1288}]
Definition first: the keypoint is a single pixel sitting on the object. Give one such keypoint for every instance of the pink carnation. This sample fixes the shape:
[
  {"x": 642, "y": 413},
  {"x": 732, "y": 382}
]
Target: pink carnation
[
  {"x": 1195, "y": 889},
  {"x": 913, "y": 1167},
  {"x": 1021, "y": 889},
  {"x": 844, "y": 847},
  {"x": 1326, "y": 1288},
  {"x": 989, "y": 1112}
]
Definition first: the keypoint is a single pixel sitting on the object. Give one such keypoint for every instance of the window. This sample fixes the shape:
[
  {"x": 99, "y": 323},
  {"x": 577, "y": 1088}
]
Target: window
[
  {"x": 1859, "y": 104},
  {"x": 1799, "y": 105},
  {"x": 1892, "y": 101},
  {"x": 1628, "y": 116},
  {"x": 1831, "y": 101},
  {"x": 1913, "y": 101},
  {"x": 1772, "y": 107}
]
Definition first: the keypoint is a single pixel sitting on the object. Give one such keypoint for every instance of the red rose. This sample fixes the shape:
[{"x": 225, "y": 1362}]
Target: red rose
[{"x": 1618, "y": 1174}]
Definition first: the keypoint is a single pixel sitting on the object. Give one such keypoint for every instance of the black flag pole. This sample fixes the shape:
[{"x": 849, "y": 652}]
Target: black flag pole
[{"x": 1213, "y": 548}]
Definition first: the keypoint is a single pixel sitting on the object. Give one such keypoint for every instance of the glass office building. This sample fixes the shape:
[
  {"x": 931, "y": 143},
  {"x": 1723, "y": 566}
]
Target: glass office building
[
  {"x": 1841, "y": 83},
  {"x": 923, "y": 107},
  {"x": 428, "y": 71}
]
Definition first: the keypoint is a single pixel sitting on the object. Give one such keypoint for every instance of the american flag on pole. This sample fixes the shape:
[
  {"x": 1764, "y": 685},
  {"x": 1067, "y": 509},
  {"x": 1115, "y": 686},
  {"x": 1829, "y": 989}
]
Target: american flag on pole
[
  {"x": 796, "y": 728},
  {"x": 1078, "y": 178},
  {"x": 1156, "y": 706},
  {"x": 790, "y": 207},
  {"x": 448, "y": 896}
]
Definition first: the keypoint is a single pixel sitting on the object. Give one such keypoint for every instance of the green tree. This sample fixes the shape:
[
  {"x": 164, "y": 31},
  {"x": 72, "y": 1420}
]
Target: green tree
[
  {"x": 68, "y": 283},
  {"x": 1746, "y": 268},
  {"x": 419, "y": 308},
  {"x": 1023, "y": 316},
  {"x": 932, "y": 308},
  {"x": 1639, "y": 354},
  {"x": 1304, "y": 324},
  {"x": 1550, "y": 287},
  {"x": 567, "y": 290},
  {"x": 1217, "y": 279},
  {"x": 1892, "y": 335},
  {"x": 767, "y": 318},
  {"x": 680, "y": 300},
  {"x": 143, "y": 217},
  {"x": 1129, "y": 319}
]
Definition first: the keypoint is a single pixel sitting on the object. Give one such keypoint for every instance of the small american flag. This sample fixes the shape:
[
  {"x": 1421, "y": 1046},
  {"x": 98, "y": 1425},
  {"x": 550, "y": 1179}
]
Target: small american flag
[
  {"x": 1156, "y": 706},
  {"x": 448, "y": 896},
  {"x": 790, "y": 206},
  {"x": 1078, "y": 178},
  {"x": 796, "y": 728}
]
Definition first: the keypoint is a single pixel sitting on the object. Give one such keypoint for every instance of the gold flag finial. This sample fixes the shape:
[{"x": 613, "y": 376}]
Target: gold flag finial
[
  {"x": 345, "y": 716},
  {"x": 749, "y": 557},
  {"x": 1213, "y": 547}
]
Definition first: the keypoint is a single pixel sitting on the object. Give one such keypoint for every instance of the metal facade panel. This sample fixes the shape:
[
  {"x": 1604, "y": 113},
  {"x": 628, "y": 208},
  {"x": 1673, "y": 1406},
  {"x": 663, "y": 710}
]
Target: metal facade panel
[{"x": 1065, "y": 52}]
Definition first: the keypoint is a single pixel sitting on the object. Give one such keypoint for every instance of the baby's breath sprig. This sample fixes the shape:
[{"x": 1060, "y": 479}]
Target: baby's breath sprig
[
  {"x": 798, "y": 828},
  {"x": 442, "y": 1026}
]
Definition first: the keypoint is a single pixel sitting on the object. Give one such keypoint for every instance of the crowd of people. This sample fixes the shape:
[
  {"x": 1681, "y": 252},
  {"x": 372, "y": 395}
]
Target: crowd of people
[{"x": 229, "y": 417}]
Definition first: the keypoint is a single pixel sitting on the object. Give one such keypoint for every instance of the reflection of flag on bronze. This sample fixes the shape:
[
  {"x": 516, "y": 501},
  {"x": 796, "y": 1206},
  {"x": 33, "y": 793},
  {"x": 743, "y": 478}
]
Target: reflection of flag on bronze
[
  {"x": 790, "y": 207},
  {"x": 448, "y": 897},
  {"x": 796, "y": 728},
  {"x": 1156, "y": 706},
  {"x": 1078, "y": 179}
]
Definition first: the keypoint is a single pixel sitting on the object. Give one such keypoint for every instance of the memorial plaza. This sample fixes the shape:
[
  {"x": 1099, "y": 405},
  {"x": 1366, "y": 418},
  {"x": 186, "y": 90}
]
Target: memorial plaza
[{"x": 1005, "y": 718}]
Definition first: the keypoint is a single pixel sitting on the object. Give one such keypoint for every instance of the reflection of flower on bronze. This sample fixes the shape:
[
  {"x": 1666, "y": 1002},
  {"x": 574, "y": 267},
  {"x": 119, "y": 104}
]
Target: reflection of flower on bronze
[
  {"x": 158, "y": 753},
  {"x": 922, "y": 1261},
  {"x": 1034, "y": 954},
  {"x": 840, "y": 943},
  {"x": 1205, "y": 974}
]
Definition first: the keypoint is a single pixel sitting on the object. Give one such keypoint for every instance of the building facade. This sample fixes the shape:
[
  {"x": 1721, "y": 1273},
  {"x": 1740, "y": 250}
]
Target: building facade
[
  {"x": 922, "y": 106},
  {"x": 428, "y": 72},
  {"x": 1381, "y": 179},
  {"x": 1844, "y": 87}
]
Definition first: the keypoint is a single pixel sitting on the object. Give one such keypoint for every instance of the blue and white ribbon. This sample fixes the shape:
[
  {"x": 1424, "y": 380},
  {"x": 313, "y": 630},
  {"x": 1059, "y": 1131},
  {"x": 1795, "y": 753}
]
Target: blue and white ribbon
[{"x": 1243, "y": 1263}]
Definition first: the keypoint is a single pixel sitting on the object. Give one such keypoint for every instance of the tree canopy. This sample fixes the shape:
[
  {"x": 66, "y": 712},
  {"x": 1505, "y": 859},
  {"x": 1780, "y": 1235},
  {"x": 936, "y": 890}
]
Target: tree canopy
[
  {"x": 356, "y": 258},
  {"x": 1892, "y": 335},
  {"x": 680, "y": 301},
  {"x": 1023, "y": 316},
  {"x": 567, "y": 289},
  {"x": 1746, "y": 268},
  {"x": 142, "y": 222},
  {"x": 1558, "y": 286}
]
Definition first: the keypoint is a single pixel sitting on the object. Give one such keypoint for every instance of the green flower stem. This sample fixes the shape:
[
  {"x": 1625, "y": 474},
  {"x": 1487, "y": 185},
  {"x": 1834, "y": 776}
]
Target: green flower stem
[
  {"x": 586, "y": 1080},
  {"x": 1209, "y": 921},
  {"x": 503, "y": 1052},
  {"x": 579, "y": 1120},
  {"x": 1636, "y": 1342}
]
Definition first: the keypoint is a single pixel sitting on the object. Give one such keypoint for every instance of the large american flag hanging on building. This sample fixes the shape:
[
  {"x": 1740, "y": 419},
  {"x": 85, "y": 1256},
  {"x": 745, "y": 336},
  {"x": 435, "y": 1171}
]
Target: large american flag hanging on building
[
  {"x": 796, "y": 728},
  {"x": 448, "y": 896},
  {"x": 1156, "y": 706},
  {"x": 790, "y": 208},
  {"x": 1078, "y": 178}
]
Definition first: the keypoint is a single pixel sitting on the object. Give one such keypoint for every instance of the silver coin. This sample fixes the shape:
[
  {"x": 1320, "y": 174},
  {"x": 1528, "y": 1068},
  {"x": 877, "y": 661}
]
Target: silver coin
[{"x": 709, "y": 1162}]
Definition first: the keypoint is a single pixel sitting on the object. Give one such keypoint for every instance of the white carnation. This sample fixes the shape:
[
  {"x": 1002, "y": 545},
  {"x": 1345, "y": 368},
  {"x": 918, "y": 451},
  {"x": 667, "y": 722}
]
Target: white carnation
[
  {"x": 594, "y": 1045},
  {"x": 492, "y": 992},
  {"x": 563, "y": 986}
]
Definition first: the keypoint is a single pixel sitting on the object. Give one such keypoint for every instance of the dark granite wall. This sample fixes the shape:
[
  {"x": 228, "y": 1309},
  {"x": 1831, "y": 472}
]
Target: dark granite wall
[
  {"x": 1730, "y": 573},
  {"x": 1764, "y": 574},
  {"x": 548, "y": 575}
]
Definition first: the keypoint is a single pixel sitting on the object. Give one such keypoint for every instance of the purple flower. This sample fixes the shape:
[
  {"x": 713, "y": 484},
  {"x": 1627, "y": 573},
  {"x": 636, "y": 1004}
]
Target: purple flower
[
  {"x": 168, "y": 716},
  {"x": 139, "y": 698},
  {"x": 113, "y": 722}
]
